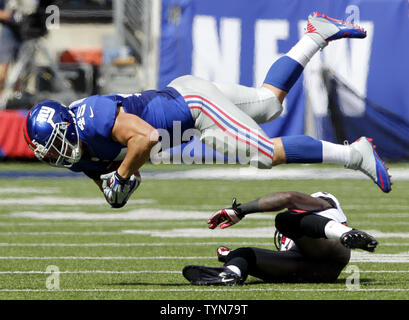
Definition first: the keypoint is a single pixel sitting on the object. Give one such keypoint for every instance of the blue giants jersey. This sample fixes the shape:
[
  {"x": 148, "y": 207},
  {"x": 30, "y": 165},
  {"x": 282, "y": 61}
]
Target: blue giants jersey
[{"x": 95, "y": 117}]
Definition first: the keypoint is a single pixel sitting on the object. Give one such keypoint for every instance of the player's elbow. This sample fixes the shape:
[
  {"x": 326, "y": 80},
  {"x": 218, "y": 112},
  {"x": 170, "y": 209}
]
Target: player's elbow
[
  {"x": 145, "y": 141},
  {"x": 291, "y": 199},
  {"x": 153, "y": 137},
  {"x": 150, "y": 138}
]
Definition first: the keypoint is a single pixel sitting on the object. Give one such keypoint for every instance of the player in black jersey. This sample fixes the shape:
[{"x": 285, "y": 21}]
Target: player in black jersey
[{"x": 314, "y": 242}]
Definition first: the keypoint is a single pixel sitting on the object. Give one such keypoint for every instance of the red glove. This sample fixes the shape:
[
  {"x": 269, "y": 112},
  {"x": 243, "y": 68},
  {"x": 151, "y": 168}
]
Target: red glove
[{"x": 228, "y": 215}]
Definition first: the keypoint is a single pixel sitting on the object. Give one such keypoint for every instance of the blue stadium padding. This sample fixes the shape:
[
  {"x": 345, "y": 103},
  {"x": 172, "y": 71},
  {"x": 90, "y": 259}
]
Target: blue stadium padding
[
  {"x": 387, "y": 81},
  {"x": 46, "y": 174}
]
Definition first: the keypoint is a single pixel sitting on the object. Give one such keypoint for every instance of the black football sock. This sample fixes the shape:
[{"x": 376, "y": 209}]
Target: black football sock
[{"x": 243, "y": 258}]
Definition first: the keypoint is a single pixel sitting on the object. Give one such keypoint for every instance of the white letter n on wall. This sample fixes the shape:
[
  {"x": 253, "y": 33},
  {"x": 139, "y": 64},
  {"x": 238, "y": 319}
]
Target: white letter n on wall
[
  {"x": 267, "y": 33},
  {"x": 216, "y": 56}
]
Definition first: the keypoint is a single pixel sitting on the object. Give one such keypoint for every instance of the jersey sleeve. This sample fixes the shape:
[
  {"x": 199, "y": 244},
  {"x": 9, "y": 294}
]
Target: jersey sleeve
[
  {"x": 102, "y": 115},
  {"x": 95, "y": 117}
]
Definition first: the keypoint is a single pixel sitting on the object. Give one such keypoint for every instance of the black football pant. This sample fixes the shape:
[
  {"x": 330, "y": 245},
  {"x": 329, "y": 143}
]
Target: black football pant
[{"x": 315, "y": 258}]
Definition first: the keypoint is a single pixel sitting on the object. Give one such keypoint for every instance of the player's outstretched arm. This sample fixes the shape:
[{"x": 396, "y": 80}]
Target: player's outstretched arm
[
  {"x": 291, "y": 200},
  {"x": 139, "y": 136},
  {"x": 272, "y": 202}
]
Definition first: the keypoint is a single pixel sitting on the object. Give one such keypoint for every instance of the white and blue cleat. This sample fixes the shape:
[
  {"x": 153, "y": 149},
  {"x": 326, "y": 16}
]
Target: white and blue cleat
[
  {"x": 323, "y": 29},
  {"x": 365, "y": 159}
]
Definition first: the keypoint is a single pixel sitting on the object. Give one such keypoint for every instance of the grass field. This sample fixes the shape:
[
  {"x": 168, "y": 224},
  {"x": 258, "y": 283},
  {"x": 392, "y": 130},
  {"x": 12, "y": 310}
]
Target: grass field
[{"x": 138, "y": 252}]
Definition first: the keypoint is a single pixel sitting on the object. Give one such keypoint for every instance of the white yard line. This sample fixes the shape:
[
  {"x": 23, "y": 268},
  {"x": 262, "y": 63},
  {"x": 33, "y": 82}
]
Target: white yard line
[
  {"x": 249, "y": 173},
  {"x": 390, "y": 206},
  {"x": 62, "y": 233},
  {"x": 95, "y": 272},
  {"x": 66, "y": 201},
  {"x": 231, "y": 233},
  {"x": 355, "y": 257},
  {"x": 377, "y": 223},
  {"x": 381, "y": 235},
  {"x": 164, "y": 214},
  {"x": 135, "y": 244},
  {"x": 302, "y": 172},
  {"x": 211, "y": 290},
  {"x": 139, "y": 214},
  {"x": 158, "y": 244},
  {"x": 263, "y": 232},
  {"x": 151, "y": 271},
  {"x": 76, "y": 224},
  {"x": 381, "y": 271},
  {"x": 104, "y": 258},
  {"x": 262, "y": 220},
  {"x": 25, "y": 190},
  {"x": 204, "y": 232}
]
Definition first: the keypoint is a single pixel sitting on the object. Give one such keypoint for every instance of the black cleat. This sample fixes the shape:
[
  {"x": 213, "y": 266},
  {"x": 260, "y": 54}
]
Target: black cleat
[
  {"x": 201, "y": 275},
  {"x": 355, "y": 239},
  {"x": 222, "y": 253}
]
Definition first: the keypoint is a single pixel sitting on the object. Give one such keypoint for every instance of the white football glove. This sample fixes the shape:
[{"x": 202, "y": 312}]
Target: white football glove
[
  {"x": 228, "y": 215},
  {"x": 117, "y": 190}
]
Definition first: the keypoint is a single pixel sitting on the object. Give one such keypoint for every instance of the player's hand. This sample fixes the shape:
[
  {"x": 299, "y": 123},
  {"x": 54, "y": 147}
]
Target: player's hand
[
  {"x": 226, "y": 216},
  {"x": 117, "y": 190}
]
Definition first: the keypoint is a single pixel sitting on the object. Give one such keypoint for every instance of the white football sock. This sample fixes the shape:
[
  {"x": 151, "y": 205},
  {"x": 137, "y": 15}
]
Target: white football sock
[
  {"x": 334, "y": 230},
  {"x": 235, "y": 269},
  {"x": 303, "y": 50},
  {"x": 335, "y": 153}
]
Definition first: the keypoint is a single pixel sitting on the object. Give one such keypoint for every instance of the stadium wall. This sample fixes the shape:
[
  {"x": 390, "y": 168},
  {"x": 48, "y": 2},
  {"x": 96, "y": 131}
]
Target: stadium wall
[{"x": 238, "y": 40}]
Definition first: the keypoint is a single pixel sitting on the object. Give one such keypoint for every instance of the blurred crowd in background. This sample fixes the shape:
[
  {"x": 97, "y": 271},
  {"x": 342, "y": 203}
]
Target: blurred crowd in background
[{"x": 64, "y": 50}]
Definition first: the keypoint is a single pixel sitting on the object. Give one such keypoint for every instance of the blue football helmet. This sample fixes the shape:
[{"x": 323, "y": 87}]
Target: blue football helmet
[{"x": 51, "y": 132}]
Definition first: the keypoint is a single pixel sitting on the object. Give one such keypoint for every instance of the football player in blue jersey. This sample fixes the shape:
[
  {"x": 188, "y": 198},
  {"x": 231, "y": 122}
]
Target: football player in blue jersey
[
  {"x": 110, "y": 137},
  {"x": 314, "y": 242}
]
